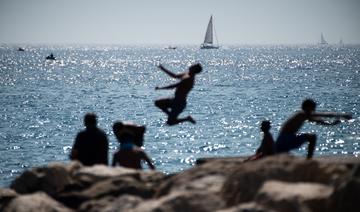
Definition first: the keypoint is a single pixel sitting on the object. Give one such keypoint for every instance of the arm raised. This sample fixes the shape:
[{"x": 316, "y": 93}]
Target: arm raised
[{"x": 171, "y": 74}]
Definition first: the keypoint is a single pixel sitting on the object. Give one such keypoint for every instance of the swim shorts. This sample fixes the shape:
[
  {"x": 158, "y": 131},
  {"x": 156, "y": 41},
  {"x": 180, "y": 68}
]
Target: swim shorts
[{"x": 287, "y": 142}]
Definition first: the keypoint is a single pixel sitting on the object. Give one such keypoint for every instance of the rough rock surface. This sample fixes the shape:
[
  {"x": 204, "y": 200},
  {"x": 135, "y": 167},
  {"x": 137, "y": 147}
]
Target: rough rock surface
[{"x": 279, "y": 183}]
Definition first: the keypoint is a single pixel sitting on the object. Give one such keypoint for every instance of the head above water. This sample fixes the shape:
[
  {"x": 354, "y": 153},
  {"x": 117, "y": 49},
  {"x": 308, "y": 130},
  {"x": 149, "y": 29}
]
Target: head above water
[
  {"x": 265, "y": 125},
  {"x": 308, "y": 105},
  {"x": 90, "y": 120},
  {"x": 195, "y": 69}
]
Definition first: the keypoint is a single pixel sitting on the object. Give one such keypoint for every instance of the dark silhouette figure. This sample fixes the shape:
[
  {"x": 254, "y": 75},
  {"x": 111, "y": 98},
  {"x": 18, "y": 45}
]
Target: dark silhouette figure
[
  {"x": 129, "y": 155},
  {"x": 174, "y": 106},
  {"x": 267, "y": 146},
  {"x": 91, "y": 145},
  {"x": 289, "y": 139},
  {"x": 137, "y": 131},
  {"x": 51, "y": 57}
]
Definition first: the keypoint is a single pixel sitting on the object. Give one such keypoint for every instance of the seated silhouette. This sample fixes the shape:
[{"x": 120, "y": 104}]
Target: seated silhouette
[
  {"x": 91, "y": 144},
  {"x": 129, "y": 155},
  {"x": 267, "y": 146}
]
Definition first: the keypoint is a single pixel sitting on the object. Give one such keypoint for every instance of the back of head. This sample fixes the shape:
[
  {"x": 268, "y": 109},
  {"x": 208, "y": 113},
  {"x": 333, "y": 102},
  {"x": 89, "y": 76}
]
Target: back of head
[
  {"x": 195, "y": 69},
  {"x": 308, "y": 105},
  {"x": 90, "y": 120},
  {"x": 265, "y": 125},
  {"x": 117, "y": 127}
]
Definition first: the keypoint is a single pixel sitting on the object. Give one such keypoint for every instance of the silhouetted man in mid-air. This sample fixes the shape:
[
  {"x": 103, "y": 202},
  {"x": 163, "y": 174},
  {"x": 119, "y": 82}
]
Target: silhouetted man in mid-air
[
  {"x": 174, "y": 106},
  {"x": 91, "y": 145}
]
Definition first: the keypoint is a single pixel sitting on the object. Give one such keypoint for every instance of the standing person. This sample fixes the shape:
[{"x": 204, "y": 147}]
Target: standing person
[
  {"x": 267, "y": 146},
  {"x": 91, "y": 145},
  {"x": 289, "y": 139},
  {"x": 174, "y": 106},
  {"x": 129, "y": 155}
]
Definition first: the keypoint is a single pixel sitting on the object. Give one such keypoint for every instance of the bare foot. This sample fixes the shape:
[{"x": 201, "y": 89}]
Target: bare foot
[{"x": 190, "y": 119}]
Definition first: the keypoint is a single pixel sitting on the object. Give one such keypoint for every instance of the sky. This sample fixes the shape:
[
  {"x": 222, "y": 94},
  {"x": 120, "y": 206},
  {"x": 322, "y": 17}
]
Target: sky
[{"x": 172, "y": 22}]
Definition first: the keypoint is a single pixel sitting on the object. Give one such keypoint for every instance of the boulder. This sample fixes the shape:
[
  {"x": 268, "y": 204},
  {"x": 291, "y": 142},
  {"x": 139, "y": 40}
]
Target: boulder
[
  {"x": 6, "y": 195},
  {"x": 37, "y": 202},
  {"x": 347, "y": 196},
  {"x": 110, "y": 204},
  {"x": 247, "y": 207},
  {"x": 207, "y": 177},
  {"x": 246, "y": 179},
  {"x": 112, "y": 187},
  {"x": 49, "y": 179},
  {"x": 182, "y": 201},
  {"x": 301, "y": 197}
]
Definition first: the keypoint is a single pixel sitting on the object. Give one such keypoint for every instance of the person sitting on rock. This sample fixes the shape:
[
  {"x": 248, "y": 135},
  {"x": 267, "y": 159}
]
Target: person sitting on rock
[
  {"x": 267, "y": 146},
  {"x": 91, "y": 145},
  {"x": 129, "y": 155},
  {"x": 289, "y": 139}
]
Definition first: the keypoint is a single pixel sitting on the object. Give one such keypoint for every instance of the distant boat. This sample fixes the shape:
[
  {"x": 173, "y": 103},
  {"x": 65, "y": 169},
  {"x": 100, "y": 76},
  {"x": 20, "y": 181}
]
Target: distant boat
[
  {"x": 322, "y": 40},
  {"x": 341, "y": 42},
  {"x": 50, "y": 57},
  {"x": 208, "y": 41},
  {"x": 21, "y": 49},
  {"x": 171, "y": 47}
]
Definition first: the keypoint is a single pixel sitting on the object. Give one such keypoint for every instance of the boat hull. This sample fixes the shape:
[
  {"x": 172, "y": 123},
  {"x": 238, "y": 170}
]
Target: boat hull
[{"x": 209, "y": 47}]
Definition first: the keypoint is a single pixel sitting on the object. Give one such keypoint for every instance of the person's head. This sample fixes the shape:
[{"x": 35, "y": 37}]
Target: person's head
[
  {"x": 308, "y": 105},
  {"x": 90, "y": 120},
  {"x": 195, "y": 69},
  {"x": 265, "y": 126},
  {"x": 117, "y": 127}
]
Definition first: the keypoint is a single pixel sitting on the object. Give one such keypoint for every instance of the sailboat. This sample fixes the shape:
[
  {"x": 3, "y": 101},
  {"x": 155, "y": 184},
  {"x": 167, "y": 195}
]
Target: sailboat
[
  {"x": 322, "y": 40},
  {"x": 341, "y": 42},
  {"x": 208, "y": 41}
]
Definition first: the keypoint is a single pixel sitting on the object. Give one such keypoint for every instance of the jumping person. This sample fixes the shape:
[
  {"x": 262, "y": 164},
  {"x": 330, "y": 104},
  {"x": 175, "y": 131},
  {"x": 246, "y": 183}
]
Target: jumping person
[
  {"x": 174, "y": 106},
  {"x": 289, "y": 139}
]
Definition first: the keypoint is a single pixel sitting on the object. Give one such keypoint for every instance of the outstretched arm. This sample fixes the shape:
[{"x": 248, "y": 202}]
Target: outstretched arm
[
  {"x": 171, "y": 74},
  {"x": 320, "y": 121},
  {"x": 332, "y": 115}
]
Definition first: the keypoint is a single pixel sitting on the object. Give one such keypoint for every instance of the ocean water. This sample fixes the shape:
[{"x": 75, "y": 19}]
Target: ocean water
[{"x": 43, "y": 103}]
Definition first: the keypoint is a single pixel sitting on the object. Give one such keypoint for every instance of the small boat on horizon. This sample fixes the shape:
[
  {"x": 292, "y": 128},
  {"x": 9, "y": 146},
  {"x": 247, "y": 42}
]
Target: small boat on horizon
[
  {"x": 21, "y": 49},
  {"x": 171, "y": 47},
  {"x": 208, "y": 41},
  {"x": 50, "y": 57},
  {"x": 322, "y": 40}
]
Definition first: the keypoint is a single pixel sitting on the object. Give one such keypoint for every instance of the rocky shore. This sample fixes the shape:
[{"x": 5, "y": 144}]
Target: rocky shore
[{"x": 279, "y": 183}]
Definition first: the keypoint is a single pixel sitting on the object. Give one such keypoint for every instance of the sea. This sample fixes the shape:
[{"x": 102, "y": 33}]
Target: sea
[{"x": 43, "y": 103}]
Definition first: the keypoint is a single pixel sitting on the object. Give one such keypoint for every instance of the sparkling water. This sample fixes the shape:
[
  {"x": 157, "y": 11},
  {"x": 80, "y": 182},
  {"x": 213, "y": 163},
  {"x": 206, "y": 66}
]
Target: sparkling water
[{"x": 43, "y": 102}]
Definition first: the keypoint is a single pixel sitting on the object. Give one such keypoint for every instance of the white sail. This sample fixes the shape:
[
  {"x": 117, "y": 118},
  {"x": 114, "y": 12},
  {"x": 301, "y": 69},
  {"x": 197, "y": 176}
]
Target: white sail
[
  {"x": 209, "y": 37},
  {"x": 322, "y": 39},
  {"x": 209, "y": 33}
]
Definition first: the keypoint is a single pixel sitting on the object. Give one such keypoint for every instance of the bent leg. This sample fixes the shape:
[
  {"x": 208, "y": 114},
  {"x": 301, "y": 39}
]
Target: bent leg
[
  {"x": 174, "y": 120},
  {"x": 164, "y": 105},
  {"x": 312, "y": 143}
]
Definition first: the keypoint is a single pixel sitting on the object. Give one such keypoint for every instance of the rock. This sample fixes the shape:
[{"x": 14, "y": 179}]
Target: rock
[
  {"x": 6, "y": 195},
  {"x": 206, "y": 177},
  {"x": 110, "y": 204},
  {"x": 182, "y": 201},
  {"x": 112, "y": 187},
  {"x": 347, "y": 196},
  {"x": 37, "y": 202},
  {"x": 246, "y": 179},
  {"x": 247, "y": 207},
  {"x": 49, "y": 179},
  {"x": 283, "y": 197}
]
